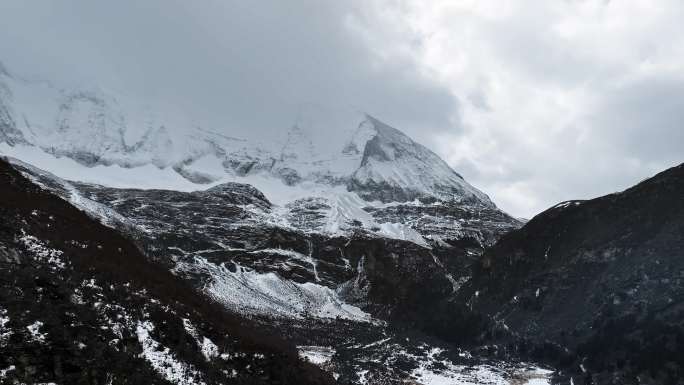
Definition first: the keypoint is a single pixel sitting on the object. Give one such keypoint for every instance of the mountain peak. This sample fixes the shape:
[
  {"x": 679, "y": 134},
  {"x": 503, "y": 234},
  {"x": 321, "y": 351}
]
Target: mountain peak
[
  {"x": 396, "y": 168},
  {"x": 325, "y": 148}
]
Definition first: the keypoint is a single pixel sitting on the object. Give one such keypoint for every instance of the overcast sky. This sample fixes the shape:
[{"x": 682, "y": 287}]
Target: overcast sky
[{"x": 534, "y": 102}]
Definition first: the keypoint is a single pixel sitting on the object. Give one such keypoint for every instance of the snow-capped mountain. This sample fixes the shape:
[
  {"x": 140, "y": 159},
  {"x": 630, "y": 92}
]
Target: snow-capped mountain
[
  {"x": 365, "y": 180},
  {"x": 372, "y": 234},
  {"x": 93, "y": 128}
]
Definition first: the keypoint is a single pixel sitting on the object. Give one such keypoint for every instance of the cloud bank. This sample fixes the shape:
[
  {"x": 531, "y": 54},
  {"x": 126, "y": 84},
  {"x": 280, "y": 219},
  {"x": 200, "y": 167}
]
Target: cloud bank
[{"x": 533, "y": 102}]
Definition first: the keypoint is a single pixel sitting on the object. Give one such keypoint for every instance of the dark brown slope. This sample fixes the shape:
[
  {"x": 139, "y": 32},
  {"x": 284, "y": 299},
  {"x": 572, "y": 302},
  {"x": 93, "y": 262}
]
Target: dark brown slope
[
  {"x": 602, "y": 278},
  {"x": 92, "y": 306}
]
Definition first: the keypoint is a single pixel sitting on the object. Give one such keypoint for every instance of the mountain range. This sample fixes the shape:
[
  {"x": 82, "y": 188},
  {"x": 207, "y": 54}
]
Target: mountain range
[{"x": 188, "y": 256}]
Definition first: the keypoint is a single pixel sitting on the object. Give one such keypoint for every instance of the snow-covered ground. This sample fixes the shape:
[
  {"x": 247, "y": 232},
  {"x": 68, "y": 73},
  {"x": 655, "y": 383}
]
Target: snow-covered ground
[
  {"x": 41, "y": 252},
  {"x": 393, "y": 356},
  {"x": 163, "y": 361},
  {"x": 341, "y": 208},
  {"x": 268, "y": 294},
  {"x": 207, "y": 346},
  {"x": 5, "y": 331},
  {"x": 318, "y": 355},
  {"x": 435, "y": 370}
]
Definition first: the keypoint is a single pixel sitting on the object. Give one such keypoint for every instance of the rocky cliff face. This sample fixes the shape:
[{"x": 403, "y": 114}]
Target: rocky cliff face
[{"x": 597, "y": 285}]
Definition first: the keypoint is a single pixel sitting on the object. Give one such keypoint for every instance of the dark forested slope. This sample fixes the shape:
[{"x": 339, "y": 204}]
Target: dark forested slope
[{"x": 597, "y": 285}]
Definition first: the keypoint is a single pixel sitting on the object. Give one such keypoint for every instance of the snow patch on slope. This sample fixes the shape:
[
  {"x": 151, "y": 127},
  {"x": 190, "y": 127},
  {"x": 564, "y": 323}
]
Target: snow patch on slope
[
  {"x": 5, "y": 332},
  {"x": 249, "y": 292},
  {"x": 434, "y": 370},
  {"x": 207, "y": 346},
  {"x": 142, "y": 177},
  {"x": 41, "y": 252},
  {"x": 163, "y": 361},
  {"x": 35, "y": 334},
  {"x": 317, "y": 355}
]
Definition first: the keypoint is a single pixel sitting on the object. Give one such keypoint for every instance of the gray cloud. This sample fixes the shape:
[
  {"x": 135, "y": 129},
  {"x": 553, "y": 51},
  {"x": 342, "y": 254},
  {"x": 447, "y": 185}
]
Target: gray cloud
[
  {"x": 644, "y": 120},
  {"x": 241, "y": 67},
  {"x": 583, "y": 98},
  {"x": 532, "y": 102}
]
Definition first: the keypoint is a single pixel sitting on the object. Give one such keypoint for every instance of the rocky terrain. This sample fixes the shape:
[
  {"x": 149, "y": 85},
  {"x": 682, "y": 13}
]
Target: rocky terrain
[
  {"x": 230, "y": 243},
  {"x": 79, "y": 304}
]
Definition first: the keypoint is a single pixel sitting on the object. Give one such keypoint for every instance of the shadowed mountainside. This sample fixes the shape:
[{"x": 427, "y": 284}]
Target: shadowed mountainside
[{"x": 597, "y": 285}]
